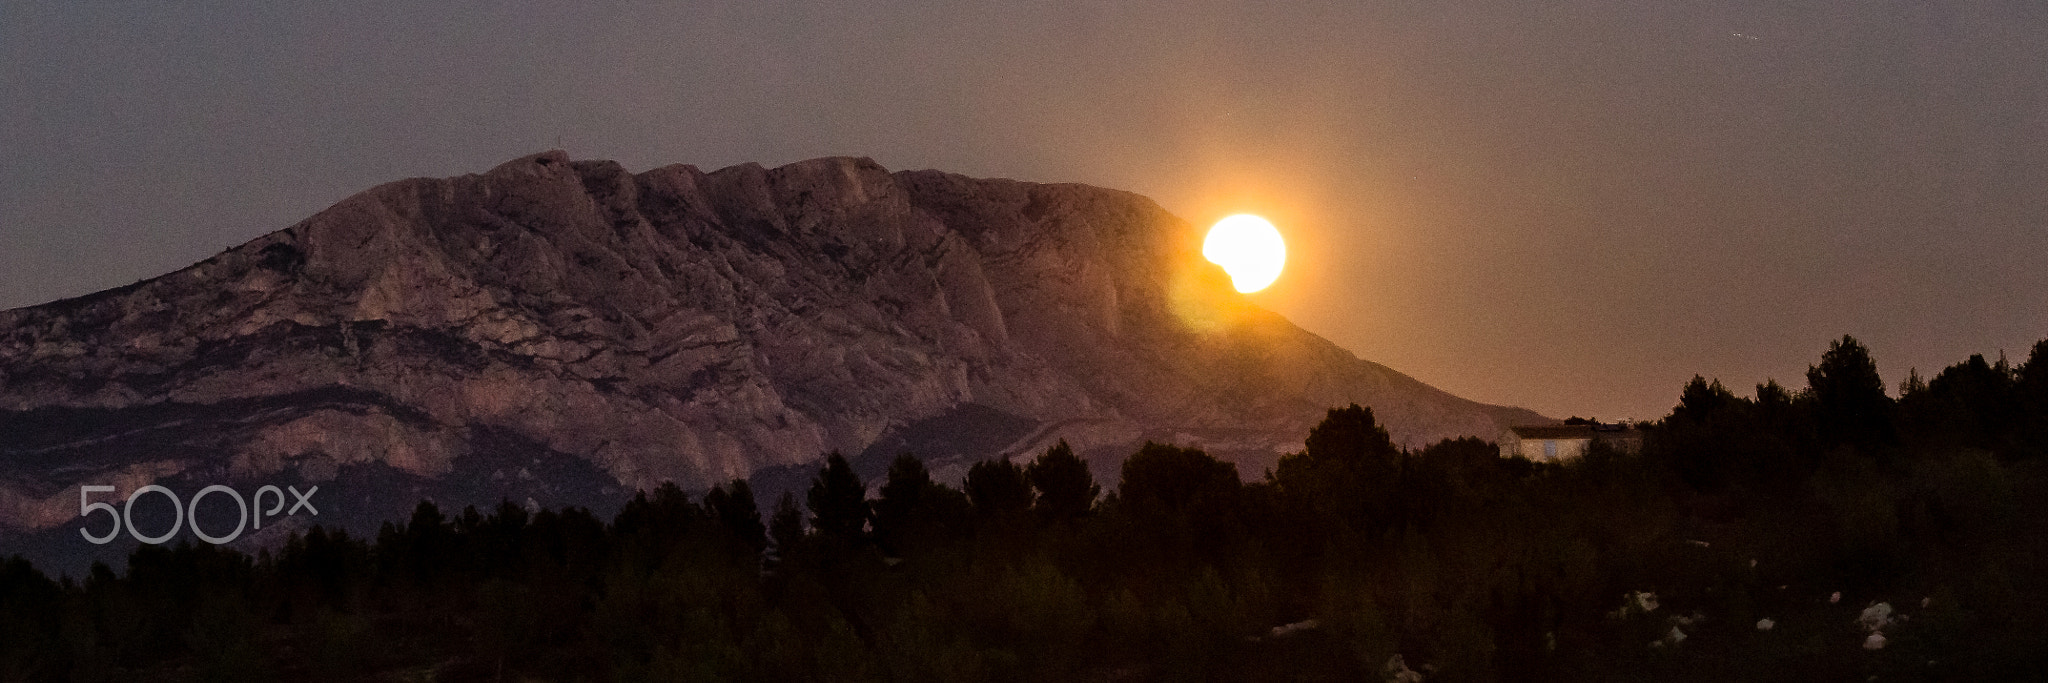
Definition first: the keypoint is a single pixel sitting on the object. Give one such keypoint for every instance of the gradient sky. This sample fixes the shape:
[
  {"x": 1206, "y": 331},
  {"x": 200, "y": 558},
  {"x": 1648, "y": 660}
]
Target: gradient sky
[{"x": 1571, "y": 206}]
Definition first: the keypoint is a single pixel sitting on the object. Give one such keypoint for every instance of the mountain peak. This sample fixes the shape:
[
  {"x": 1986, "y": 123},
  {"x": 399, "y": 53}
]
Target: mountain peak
[{"x": 673, "y": 325}]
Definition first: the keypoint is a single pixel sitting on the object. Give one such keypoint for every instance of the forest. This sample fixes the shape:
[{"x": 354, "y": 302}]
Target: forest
[{"x": 1843, "y": 530}]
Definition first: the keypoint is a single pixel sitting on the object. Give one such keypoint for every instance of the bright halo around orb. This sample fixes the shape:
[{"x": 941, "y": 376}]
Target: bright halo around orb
[{"x": 1248, "y": 248}]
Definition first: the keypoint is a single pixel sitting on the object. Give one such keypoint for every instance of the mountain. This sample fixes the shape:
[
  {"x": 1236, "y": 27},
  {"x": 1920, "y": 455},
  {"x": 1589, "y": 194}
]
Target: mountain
[{"x": 564, "y": 331}]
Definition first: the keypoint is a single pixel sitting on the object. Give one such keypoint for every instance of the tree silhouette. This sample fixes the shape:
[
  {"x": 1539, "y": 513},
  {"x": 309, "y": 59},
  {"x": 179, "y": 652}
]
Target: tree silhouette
[
  {"x": 665, "y": 513},
  {"x": 1176, "y": 478},
  {"x": 1481, "y": 567},
  {"x": 913, "y": 510},
  {"x": 735, "y": 510},
  {"x": 1973, "y": 403},
  {"x": 1350, "y": 434},
  {"x": 1700, "y": 400},
  {"x": 1851, "y": 406},
  {"x": 997, "y": 488},
  {"x": 2031, "y": 387},
  {"x": 1348, "y": 470},
  {"x": 786, "y": 526},
  {"x": 838, "y": 500},
  {"x": 1065, "y": 488}
]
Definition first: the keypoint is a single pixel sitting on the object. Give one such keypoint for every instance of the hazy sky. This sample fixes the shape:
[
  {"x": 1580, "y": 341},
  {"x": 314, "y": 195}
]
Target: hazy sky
[{"x": 1571, "y": 206}]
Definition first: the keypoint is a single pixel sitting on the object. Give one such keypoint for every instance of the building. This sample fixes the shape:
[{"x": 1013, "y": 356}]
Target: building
[{"x": 1553, "y": 443}]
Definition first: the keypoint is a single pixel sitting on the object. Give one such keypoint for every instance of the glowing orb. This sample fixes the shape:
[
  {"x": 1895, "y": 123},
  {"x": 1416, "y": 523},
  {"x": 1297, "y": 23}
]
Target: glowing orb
[{"x": 1248, "y": 248}]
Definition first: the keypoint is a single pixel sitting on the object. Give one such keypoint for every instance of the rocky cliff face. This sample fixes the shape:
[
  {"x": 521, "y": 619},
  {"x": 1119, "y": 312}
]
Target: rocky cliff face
[{"x": 669, "y": 325}]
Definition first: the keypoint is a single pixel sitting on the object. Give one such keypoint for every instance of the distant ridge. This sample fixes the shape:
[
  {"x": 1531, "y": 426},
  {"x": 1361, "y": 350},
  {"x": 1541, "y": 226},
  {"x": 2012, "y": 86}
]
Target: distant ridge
[{"x": 620, "y": 329}]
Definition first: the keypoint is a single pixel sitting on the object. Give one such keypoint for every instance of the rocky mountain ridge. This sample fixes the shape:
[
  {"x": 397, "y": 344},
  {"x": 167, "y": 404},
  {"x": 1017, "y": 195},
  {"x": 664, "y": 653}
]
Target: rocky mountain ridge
[{"x": 670, "y": 325}]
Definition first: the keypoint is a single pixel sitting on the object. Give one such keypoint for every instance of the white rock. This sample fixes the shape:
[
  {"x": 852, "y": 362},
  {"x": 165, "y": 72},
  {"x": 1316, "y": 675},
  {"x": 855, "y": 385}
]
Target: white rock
[
  {"x": 1670, "y": 639},
  {"x": 1296, "y": 627},
  {"x": 1875, "y": 617},
  {"x": 1397, "y": 671}
]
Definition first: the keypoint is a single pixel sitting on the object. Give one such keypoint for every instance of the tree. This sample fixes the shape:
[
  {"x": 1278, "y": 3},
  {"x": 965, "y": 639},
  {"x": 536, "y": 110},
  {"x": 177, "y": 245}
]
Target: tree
[
  {"x": 1176, "y": 478},
  {"x": 1913, "y": 384},
  {"x": 668, "y": 513},
  {"x": 1773, "y": 396},
  {"x": 902, "y": 493},
  {"x": 786, "y": 526},
  {"x": 913, "y": 509},
  {"x": 1850, "y": 403},
  {"x": 998, "y": 488},
  {"x": 1700, "y": 440},
  {"x": 1701, "y": 401},
  {"x": 736, "y": 511},
  {"x": 1782, "y": 416},
  {"x": 2032, "y": 389},
  {"x": 2032, "y": 382},
  {"x": 1065, "y": 488},
  {"x": 1349, "y": 468},
  {"x": 838, "y": 500},
  {"x": 1350, "y": 433},
  {"x": 423, "y": 547},
  {"x": 1973, "y": 404}
]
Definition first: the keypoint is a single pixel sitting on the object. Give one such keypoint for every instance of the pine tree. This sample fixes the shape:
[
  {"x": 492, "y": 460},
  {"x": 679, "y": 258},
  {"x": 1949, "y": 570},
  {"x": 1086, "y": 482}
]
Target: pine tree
[
  {"x": 838, "y": 500},
  {"x": 733, "y": 506},
  {"x": 786, "y": 526},
  {"x": 1065, "y": 488},
  {"x": 998, "y": 488},
  {"x": 1851, "y": 406}
]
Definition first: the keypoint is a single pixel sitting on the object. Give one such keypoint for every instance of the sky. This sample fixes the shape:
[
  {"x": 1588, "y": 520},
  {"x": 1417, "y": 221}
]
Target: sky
[{"x": 1571, "y": 206}]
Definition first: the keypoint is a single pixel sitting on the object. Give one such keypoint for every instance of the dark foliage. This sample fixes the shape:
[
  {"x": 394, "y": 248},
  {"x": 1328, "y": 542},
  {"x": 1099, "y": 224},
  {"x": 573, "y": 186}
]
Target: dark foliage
[
  {"x": 1065, "y": 488},
  {"x": 838, "y": 500},
  {"x": 1177, "y": 479},
  {"x": 737, "y": 511},
  {"x": 1353, "y": 559},
  {"x": 1850, "y": 406},
  {"x": 914, "y": 512},
  {"x": 998, "y": 488}
]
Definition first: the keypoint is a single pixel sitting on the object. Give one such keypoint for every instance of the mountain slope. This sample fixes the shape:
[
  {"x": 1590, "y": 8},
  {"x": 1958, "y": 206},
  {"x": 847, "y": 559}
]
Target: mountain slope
[{"x": 668, "y": 325}]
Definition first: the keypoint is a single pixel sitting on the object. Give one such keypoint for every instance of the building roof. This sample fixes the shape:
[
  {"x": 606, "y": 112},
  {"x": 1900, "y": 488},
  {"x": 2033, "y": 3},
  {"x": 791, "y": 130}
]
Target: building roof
[
  {"x": 1554, "y": 431},
  {"x": 1603, "y": 431}
]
